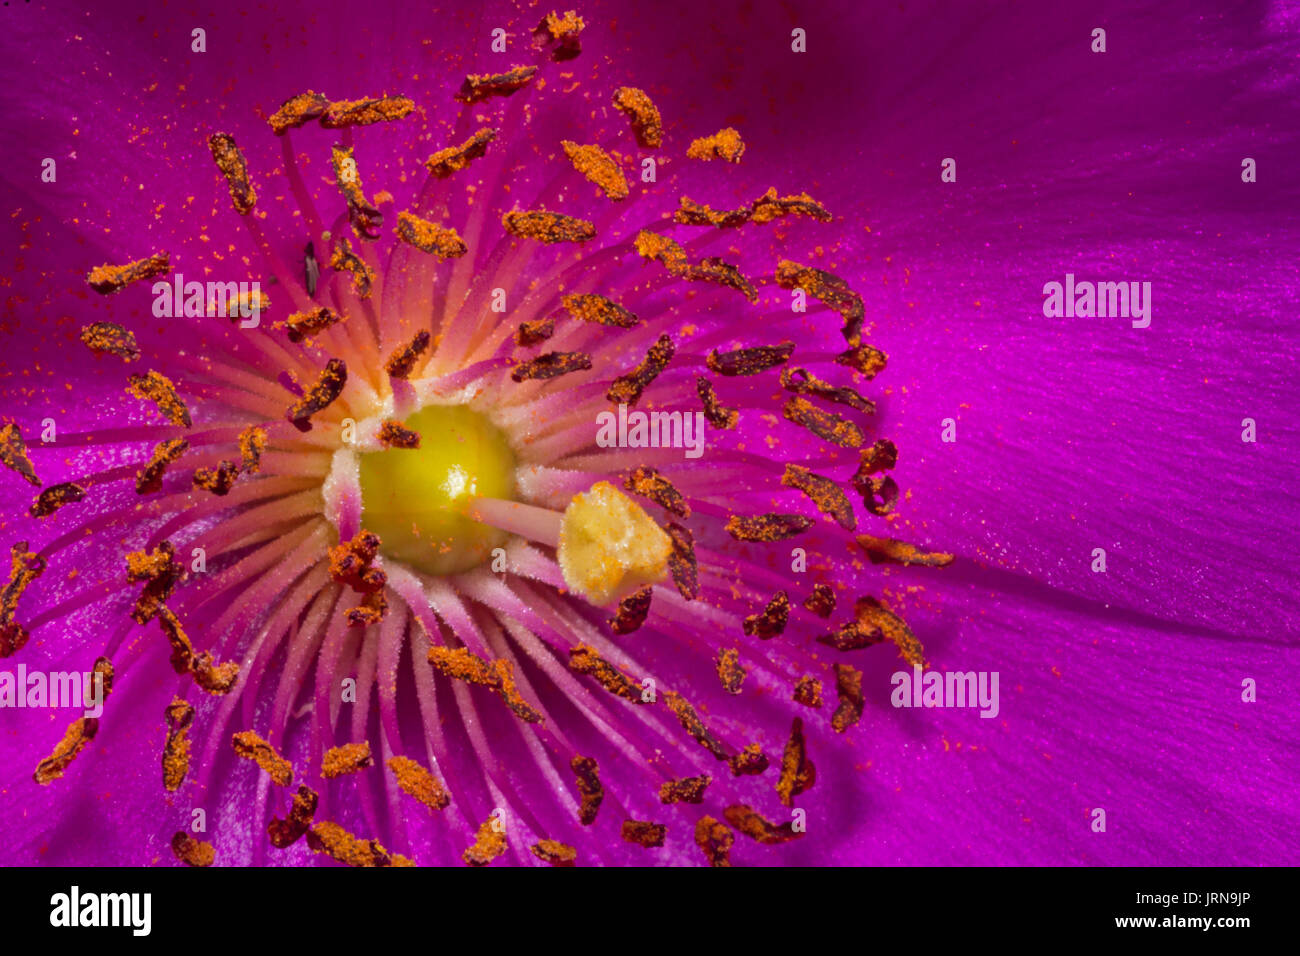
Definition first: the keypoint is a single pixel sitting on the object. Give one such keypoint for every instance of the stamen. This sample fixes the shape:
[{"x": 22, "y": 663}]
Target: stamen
[
  {"x": 13, "y": 453},
  {"x": 648, "y": 483},
  {"x": 863, "y": 358},
  {"x": 643, "y": 115},
  {"x": 252, "y": 442},
  {"x": 105, "y": 337},
  {"x": 848, "y": 687},
  {"x": 298, "y": 111},
  {"x": 363, "y": 216},
  {"x": 285, "y": 833},
  {"x": 808, "y": 691},
  {"x": 383, "y": 109},
  {"x": 750, "y": 762},
  {"x": 479, "y": 86},
  {"x": 823, "y": 492},
  {"x": 79, "y": 733},
  {"x": 691, "y": 213},
  {"x": 563, "y": 31},
  {"x": 715, "y": 270},
  {"x": 212, "y": 677},
  {"x": 871, "y": 613},
  {"x": 310, "y": 268},
  {"x": 730, "y": 672},
  {"x": 159, "y": 572},
  {"x": 881, "y": 456},
  {"x": 724, "y": 144},
  {"x": 644, "y": 833},
  {"x": 802, "y": 382},
  {"x": 307, "y": 325},
  {"x": 176, "y": 751},
  {"x": 230, "y": 160},
  {"x": 893, "y": 551},
  {"x": 250, "y": 746},
  {"x": 182, "y": 656},
  {"x": 104, "y": 668},
  {"x": 330, "y": 838},
  {"x": 684, "y": 790},
  {"x": 756, "y": 827},
  {"x": 349, "y": 758},
  {"x": 55, "y": 497},
  {"x": 717, "y": 415},
  {"x": 693, "y": 725},
  {"x": 584, "y": 659},
  {"x": 750, "y": 361},
  {"x": 682, "y": 564},
  {"x": 547, "y": 227},
  {"x": 321, "y": 395},
  {"x": 826, "y": 425},
  {"x": 772, "y": 620},
  {"x": 402, "y": 362},
  {"x": 599, "y": 168},
  {"x": 496, "y": 675},
  {"x": 875, "y": 623},
  {"x": 534, "y": 332},
  {"x": 415, "y": 781},
  {"x": 767, "y": 527},
  {"x": 830, "y": 289},
  {"x": 632, "y": 611},
  {"x": 609, "y": 547},
  {"x": 393, "y": 434},
  {"x": 193, "y": 852},
  {"x": 430, "y": 237},
  {"x": 599, "y": 310},
  {"x": 554, "y": 852},
  {"x": 797, "y": 772},
  {"x": 550, "y": 365},
  {"x": 343, "y": 259},
  {"x": 455, "y": 158},
  {"x": 220, "y": 480},
  {"x": 880, "y": 495},
  {"x": 627, "y": 388},
  {"x": 822, "y": 600},
  {"x": 372, "y": 609},
  {"x": 715, "y": 839},
  {"x": 106, "y": 279},
  {"x": 158, "y": 388},
  {"x": 651, "y": 245},
  {"x": 769, "y": 206},
  {"x": 764, "y": 209},
  {"x": 590, "y": 790},
  {"x": 254, "y": 301},
  {"x": 149, "y": 479},
  {"x": 489, "y": 843}
]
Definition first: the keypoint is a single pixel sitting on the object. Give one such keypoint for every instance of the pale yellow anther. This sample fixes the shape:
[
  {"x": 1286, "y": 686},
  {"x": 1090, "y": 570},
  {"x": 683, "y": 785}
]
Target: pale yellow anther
[{"x": 609, "y": 546}]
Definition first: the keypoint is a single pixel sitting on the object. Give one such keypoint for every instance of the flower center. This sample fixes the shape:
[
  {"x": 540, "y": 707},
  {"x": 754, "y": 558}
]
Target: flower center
[{"x": 416, "y": 499}]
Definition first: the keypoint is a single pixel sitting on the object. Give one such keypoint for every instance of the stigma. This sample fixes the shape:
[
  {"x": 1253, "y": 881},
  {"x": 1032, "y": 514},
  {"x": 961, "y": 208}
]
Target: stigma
[{"x": 609, "y": 547}]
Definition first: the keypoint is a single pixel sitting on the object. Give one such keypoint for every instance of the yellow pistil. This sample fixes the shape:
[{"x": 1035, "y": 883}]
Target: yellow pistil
[{"x": 416, "y": 499}]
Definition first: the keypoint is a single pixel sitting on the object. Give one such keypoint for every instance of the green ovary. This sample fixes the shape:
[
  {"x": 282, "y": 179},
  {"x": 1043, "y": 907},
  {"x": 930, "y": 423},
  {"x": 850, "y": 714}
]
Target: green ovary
[{"x": 416, "y": 499}]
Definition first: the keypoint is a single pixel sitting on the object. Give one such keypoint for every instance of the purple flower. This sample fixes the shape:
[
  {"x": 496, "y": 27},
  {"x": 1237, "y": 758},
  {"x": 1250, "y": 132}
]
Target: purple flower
[{"x": 540, "y": 633}]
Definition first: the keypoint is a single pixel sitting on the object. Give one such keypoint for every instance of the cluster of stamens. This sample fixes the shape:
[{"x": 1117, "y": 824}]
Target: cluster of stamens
[{"x": 430, "y": 486}]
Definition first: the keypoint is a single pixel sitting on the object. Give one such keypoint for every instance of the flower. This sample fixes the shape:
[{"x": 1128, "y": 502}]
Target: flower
[{"x": 315, "y": 570}]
